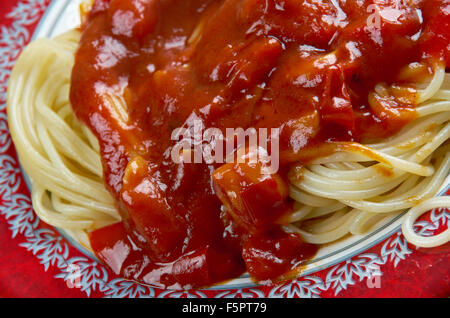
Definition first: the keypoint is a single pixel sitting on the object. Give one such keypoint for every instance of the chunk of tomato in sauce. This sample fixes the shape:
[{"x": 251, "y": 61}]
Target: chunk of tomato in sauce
[
  {"x": 270, "y": 18},
  {"x": 254, "y": 64},
  {"x": 115, "y": 247},
  {"x": 111, "y": 245},
  {"x": 144, "y": 198},
  {"x": 436, "y": 38},
  {"x": 241, "y": 66},
  {"x": 337, "y": 107},
  {"x": 254, "y": 200},
  {"x": 275, "y": 253}
]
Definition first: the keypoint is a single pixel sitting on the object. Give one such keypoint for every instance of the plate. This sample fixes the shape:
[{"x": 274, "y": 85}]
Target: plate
[{"x": 362, "y": 263}]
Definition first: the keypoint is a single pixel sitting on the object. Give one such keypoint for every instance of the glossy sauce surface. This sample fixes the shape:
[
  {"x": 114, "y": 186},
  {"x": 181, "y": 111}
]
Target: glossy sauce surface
[{"x": 306, "y": 67}]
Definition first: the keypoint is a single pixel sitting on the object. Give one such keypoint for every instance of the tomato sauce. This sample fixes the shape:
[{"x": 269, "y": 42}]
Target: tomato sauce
[{"x": 306, "y": 67}]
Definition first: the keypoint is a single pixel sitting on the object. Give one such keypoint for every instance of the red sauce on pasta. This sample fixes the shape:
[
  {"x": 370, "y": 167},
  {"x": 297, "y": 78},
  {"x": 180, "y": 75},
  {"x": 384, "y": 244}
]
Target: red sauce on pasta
[{"x": 306, "y": 67}]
